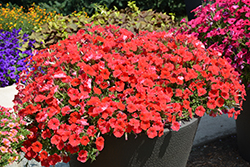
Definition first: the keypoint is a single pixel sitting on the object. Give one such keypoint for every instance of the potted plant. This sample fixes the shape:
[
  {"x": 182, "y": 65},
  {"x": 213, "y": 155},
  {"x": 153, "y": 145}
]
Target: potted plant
[
  {"x": 224, "y": 26},
  {"x": 12, "y": 135},
  {"x": 108, "y": 85}
]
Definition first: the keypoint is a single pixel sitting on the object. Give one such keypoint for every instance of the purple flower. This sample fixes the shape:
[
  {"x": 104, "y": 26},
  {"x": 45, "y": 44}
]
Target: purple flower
[{"x": 11, "y": 58}]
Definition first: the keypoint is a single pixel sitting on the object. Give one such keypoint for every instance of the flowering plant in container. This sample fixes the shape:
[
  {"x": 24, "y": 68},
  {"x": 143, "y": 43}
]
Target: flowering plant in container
[
  {"x": 11, "y": 57},
  {"x": 12, "y": 135},
  {"x": 225, "y": 26},
  {"x": 109, "y": 81}
]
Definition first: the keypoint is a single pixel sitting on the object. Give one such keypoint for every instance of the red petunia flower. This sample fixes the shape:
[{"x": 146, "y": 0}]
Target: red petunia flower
[
  {"x": 121, "y": 106},
  {"x": 91, "y": 130},
  {"x": 74, "y": 117},
  {"x": 225, "y": 95},
  {"x": 124, "y": 77},
  {"x": 151, "y": 132},
  {"x": 131, "y": 108},
  {"x": 104, "y": 85},
  {"x": 46, "y": 134},
  {"x": 53, "y": 159},
  {"x": 75, "y": 82},
  {"x": 165, "y": 74},
  {"x": 213, "y": 93},
  {"x": 201, "y": 91},
  {"x": 116, "y": 73},
  {"x": 73, "y": 94},
  {"x": 220, "y": 102},
  {"x": 43, "y": 154},
  {"x": 178, "y": 92},
  {"x": 65, "y": 110},
  {"x": 118, "y": 131},
  {"x": 30, "y": 154},
  {"x": 45, "y": 162},
  {"x": 66, "y": 159},
  {"x": 89, "y": 70},
  {"x": 211, "y": 104},
  {"x": 97, "y": 90},
  {"x": 53, "y": 123},
  {"x": 60, "y": 145},
  {"x": 85, "y": 140},
  {"x": 82, "y": 156},
  {"x": 95, "y": 101},
  {"x": 175, "y": 126},
  {"x": 105, "y": 73},
  {"x": 74, "y": 140},
  {"x": 200, "y": 111},
  {"x": 119, "y": 86},
  {"x": 99, "y": 143},
  {"x": 39, "y": 98},
  {"x": 145, "y": 116},
  {"x": 55, "y": 139},
  {"x": 134, "y": 123},
  {"x": 161, "y": 132},
  {"x": 37, "y": 146},
  {"x": 186, "y": 104},
  {"x": 83, "y": 153},
  {"x": 145, "y": 125}
]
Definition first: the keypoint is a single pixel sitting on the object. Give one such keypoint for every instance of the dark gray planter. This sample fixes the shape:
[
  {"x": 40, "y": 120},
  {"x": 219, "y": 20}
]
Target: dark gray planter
[
  {"x": 243, "y": 129},
  {"x": 170, "y": 150}
]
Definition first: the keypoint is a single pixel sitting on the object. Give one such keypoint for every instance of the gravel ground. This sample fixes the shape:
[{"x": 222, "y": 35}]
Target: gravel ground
[{"x": 219, "y": 153}]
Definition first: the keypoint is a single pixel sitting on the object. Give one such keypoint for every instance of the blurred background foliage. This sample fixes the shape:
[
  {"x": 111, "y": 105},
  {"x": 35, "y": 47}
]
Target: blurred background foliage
[{"x": 66, "y": 7}]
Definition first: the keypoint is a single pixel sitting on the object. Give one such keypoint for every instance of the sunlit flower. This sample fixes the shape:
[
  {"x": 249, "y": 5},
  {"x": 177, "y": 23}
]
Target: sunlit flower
[{"x": 3, "y": 149}]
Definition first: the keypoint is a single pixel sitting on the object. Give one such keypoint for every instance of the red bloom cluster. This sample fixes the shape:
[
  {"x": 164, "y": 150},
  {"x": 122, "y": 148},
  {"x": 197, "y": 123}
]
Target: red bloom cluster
[{"x": 110, "y": 81}]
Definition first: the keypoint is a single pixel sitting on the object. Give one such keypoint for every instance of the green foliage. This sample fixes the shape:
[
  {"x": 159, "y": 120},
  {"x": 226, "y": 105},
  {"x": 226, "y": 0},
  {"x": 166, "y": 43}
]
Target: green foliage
[
  {"x": 66, "y": 7},
  {"x": 168, "y": 6},
  {"x": 130, "y": 18}
]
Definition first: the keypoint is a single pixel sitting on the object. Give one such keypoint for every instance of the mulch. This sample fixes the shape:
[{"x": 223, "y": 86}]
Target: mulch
[{"x": 219, "y": 153}]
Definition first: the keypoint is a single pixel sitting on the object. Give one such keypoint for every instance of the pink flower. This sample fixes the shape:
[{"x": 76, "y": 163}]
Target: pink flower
[
  {"x": 3, "y": 149},
  {"x": 21, "y": 137},
  {"x": 6, "y": 142},
  {"x": 11, "y": 125},
  {"x": 4, "y": 120},
  {"x": 231, "y": 20}
]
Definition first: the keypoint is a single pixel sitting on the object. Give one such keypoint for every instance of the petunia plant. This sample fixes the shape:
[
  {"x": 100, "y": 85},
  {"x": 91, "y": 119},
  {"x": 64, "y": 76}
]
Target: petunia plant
[
  {"x": 108, "y": 81},
  {"x": 12, "y": 135},
  {"x": 225, "y": 26},
  {"x": 11, "y": 57}
]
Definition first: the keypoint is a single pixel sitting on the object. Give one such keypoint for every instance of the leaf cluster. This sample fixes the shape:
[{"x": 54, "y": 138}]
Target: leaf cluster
[{"x": 130, "y": 18}]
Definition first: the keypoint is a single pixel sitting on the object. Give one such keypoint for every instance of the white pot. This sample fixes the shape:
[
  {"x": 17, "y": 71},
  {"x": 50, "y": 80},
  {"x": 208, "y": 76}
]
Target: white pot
[{"x": 7, "y": 95}]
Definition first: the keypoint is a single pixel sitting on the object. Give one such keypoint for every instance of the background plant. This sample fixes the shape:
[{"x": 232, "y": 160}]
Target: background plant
[
  {"x": 131, "y": 18},
  {"x": 224, "y": 26},
  {"x": 12, "y": 59},
  {"x": 12, "y": 135},
  {"x": 16, "y": 17},
  {"x": 66, "y": 7},
  {"x": 109, "y": 81}
]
